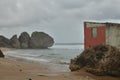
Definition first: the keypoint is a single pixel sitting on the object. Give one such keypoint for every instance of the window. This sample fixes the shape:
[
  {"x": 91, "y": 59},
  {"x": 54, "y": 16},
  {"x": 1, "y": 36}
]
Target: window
[{"x": 94, "y": 32}]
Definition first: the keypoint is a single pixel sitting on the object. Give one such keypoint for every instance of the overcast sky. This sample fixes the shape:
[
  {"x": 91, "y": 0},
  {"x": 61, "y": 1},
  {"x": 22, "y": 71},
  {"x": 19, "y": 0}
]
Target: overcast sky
[{"x": 62, "y": 19}]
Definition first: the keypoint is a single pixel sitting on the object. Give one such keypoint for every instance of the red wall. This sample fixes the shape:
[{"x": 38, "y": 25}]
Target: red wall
[{"x": 89, "y": 41}]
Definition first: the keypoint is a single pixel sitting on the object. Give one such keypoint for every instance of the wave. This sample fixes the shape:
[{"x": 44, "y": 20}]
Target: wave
[
  {"x": 54, "y": 56},
  {"x": 30, "y": 59},
  {"x": 64, "y": 63}
]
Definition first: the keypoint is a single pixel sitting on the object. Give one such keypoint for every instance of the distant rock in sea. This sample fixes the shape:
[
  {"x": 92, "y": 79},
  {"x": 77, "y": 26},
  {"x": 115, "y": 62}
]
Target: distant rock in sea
[
  {"x": 41, "y": 40},
  {"x": 24, "y": 39},
  {"x": 4, "y": 42},
  {"x": 98, "y": 60},
  {"x": 38, "y": 40},
  {"x": 14, "y": 42}
]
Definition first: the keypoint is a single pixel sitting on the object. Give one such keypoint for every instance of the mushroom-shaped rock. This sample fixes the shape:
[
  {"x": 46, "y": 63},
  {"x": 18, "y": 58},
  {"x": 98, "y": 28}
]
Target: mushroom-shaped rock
[{"x": 41, "y": 40}]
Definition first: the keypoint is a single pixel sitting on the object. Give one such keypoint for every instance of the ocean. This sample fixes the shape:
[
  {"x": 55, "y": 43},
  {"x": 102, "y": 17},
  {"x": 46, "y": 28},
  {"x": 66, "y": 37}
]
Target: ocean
[{"x": 57, "y": 58}]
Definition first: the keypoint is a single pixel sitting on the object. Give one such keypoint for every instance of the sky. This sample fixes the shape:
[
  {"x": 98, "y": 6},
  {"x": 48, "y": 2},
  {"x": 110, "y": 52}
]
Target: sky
[{"x": 61, "y": 19}]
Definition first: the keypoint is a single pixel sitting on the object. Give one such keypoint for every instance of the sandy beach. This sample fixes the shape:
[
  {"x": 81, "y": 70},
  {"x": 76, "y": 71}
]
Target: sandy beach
[{"x": 12, "y": 69}]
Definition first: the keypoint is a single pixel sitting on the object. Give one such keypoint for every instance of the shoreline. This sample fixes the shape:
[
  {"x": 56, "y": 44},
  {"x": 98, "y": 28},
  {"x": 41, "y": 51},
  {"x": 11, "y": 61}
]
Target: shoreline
[{"x": 13, "y": 69}]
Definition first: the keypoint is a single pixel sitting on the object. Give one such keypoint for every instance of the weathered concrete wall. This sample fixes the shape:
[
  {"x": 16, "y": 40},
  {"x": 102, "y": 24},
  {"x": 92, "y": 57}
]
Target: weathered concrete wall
[
  {"x": 94, "y": 24},
  {"x": 113, "y": 34}
]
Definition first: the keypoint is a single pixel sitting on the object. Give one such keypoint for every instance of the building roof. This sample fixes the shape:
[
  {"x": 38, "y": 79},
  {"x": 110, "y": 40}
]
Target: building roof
[{"x": 102, "y": 23}]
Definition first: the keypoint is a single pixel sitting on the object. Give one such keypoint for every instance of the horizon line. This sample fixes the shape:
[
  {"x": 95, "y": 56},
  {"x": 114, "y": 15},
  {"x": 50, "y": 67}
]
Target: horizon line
[{"x": 69, "y": 43}]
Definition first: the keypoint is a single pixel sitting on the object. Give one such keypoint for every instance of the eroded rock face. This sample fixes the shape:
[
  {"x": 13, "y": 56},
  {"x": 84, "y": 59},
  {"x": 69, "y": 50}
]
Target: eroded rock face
[
  {"x": 41, "y": 40},
  {"x": 4, "y": 42},
  {"x": 1, "y": 54},
  {"x": 15, "y": 42},
  {"x": 99, "y": 60},
  {"x": 24, "y": 39}
]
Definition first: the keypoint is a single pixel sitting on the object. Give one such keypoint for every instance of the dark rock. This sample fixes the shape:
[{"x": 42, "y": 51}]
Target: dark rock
[
  {"x": 15, "y": 42},
  {"x": 4, "y": 42},
  {"x": 1, "y": 54},
  {"x": 20, "y": 70},
  {"x": 99, "y": 60},
  {"x": 41, "y": 40},
  {"x": 24, "y": 39},
  {"x": 29, "y": 79}
]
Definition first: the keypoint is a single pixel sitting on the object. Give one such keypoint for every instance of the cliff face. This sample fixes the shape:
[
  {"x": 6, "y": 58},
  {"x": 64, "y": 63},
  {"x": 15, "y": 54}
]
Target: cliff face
[
  {"x": 99, "y": 60},
  {"x": 37, "y": 40}
]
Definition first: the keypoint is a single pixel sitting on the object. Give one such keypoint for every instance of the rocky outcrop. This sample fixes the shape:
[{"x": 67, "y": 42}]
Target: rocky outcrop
[
  {"x": 99, "y": 60},
  {"x": 41, "y": 40},
  {"x": 15, "y": 42},
  {"x": 24, "y": 39},
  {"x": 37, "y": 40},
  {"x": 1, "y": 54},
  {"x": 4, "y": 42}
]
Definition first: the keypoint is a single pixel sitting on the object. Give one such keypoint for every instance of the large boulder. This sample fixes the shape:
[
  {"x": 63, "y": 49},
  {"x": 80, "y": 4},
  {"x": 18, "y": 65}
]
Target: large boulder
[
  {"x": 99, "y": 60},
  {"x": 24, "y": 39},
  {"x": 1, "y": 54},
  {"x": 4, "y": 42},
  {"x": 15, "y": 42},
  {"x": 41, "y": 40}
]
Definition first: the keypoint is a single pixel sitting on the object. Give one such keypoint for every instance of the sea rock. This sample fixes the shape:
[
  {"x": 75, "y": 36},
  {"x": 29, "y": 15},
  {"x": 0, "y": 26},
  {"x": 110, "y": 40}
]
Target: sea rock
[
  {"x": 41, "y": 40},
  {"x": 4, "y": 42},
  {"x": 24, "y": 39},
  {"x": 98, "y": 60},
  {"x": 37, "y": 40},
  {"x": 1, "y": 54},
  {"x": 15, "y": 42}
]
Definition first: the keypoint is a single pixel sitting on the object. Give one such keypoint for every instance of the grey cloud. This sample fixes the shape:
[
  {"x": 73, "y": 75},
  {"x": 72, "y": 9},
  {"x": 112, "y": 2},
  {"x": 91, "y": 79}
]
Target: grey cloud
[
  {"x": 60, "y": 18},
  {"x": 24, "y": 12}
]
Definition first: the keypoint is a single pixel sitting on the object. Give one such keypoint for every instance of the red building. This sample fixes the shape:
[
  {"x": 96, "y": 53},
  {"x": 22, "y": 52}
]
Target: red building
[{"x": 101, "y": 33}]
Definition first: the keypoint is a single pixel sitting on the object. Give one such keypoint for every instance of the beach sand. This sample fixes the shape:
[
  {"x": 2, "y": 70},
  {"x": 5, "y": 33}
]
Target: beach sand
[
  {"x": 12, "y": 69},
  {"x": 15, "y": 70}
]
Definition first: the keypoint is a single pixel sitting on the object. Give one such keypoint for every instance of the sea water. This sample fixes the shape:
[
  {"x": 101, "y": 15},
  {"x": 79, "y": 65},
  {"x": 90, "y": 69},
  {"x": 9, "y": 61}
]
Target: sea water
[{"x": 57, "y": 57}]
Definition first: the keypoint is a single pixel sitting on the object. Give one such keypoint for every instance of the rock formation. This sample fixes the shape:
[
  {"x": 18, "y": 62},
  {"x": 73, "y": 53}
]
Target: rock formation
[
  {"x": 1, "y": 54},
  {"x": 15, "y": 42},
  {"x": 99, "y": 60},
  {"x": 41, "y": 40},
  {"x": 37, "y": 40},
  {"x": 24, "y": 39},
  {"x": 4, "y": 42}
]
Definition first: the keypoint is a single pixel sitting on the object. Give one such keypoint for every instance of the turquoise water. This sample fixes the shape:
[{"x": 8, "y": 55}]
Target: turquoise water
[{"x": 58, "y": 56}]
